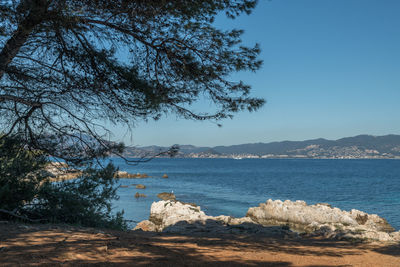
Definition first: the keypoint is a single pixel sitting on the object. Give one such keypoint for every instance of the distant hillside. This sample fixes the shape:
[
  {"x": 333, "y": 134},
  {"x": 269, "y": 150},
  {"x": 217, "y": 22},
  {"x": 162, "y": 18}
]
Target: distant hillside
[
  {"x": 270, "y": 148},
  {"x": 361, "y": 146}
]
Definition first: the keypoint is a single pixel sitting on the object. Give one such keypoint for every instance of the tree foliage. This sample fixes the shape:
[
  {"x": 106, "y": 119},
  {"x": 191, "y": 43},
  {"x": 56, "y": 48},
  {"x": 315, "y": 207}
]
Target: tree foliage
[
  {"x": 27, "y": 193},
  {"x": 85, "y": 201},
  {"x": 19, "y": 177},
  {"x": 66, "y": 66}
]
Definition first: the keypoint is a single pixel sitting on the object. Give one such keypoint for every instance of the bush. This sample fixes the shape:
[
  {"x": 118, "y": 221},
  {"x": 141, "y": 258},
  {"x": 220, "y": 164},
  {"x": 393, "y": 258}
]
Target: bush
[
  {"x": 85, "y": 200},
  {"x": 26, "y": 192},
  {"x": 20, "y": 178}
]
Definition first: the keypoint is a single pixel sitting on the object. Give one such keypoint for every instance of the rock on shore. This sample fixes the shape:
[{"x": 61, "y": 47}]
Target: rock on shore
[
  {"x": 186, "y": 218},
  {"x": 138, "y": 195},
  {"x": 124, "y": 174},
  {"x": 140, "y": 186},
  {"x": 278, "y": 218},
  {"x": 166, "y": 196},
  {"x": 322, "y": 219},
  {"x": 58, "y": 171}
]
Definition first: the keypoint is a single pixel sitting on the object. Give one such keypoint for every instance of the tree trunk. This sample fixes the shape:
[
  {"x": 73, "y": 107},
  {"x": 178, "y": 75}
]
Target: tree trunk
[{"x": 37, "y": 10}]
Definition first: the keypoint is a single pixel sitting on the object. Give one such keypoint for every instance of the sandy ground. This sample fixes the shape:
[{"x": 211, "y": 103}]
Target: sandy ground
[{"x": 56, "y": 245}]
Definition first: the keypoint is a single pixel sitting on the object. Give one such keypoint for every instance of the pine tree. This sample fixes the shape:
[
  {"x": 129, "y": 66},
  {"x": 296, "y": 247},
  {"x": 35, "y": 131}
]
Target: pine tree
[{"x": 67, "y": 66}]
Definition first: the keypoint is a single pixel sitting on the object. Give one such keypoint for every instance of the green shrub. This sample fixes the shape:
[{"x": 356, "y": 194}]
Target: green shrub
[
  {"x": 84, "y": 201},
  {"x": 26, "y": 192},
  {"x": 20, "y": 178}
]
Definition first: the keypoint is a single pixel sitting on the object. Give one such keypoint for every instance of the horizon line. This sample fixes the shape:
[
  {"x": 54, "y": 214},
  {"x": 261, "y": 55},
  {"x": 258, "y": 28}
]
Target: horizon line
[{"x": 312, "y": 139}]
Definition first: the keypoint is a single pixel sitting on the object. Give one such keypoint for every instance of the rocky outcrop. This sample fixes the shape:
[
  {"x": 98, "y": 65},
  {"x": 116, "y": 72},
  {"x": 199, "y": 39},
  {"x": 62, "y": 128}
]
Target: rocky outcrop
[
  {"x": 124, "y": 174},
  {"x": 185, "y": 218},
  {"x": 138, "y": 195},
  {"x": 277, "y": 218},
  {"x": 59, "y": 171},
  {"x": 167, "y": 213},
  {"x": 166, "y": 196},
  {"x": 140, "y": 186},
  {"x": 146, "y": 226},
  {"x": 322, "y": 219}
]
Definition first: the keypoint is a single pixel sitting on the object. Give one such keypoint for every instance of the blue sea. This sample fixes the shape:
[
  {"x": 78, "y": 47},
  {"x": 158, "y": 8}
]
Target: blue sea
[{"x": 230, "y": 187}]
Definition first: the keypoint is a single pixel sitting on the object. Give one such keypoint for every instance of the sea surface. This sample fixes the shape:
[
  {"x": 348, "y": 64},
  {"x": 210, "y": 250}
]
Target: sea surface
[{"x": 230, "y": 187}]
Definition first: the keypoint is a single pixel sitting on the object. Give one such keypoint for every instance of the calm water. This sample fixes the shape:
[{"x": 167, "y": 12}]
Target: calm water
[{"x": 230, "y": 187}]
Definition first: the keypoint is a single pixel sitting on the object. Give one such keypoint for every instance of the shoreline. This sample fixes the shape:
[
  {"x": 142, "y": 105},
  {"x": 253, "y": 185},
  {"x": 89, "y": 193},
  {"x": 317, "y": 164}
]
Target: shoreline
[{"x": 258, "y": 158}]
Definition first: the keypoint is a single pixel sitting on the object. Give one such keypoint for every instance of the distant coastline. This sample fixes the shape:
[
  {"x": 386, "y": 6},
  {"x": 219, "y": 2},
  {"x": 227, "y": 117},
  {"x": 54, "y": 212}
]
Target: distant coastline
[{"x": 357, "y": 147}]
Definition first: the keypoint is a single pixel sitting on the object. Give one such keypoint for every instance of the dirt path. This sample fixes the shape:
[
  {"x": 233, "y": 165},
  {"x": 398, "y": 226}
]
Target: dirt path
[{"x": 51, "y": 245}]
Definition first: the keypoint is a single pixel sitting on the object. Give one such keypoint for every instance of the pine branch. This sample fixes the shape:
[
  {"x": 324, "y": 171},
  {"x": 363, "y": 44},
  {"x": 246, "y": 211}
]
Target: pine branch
[{"x": 20, "y": 217}]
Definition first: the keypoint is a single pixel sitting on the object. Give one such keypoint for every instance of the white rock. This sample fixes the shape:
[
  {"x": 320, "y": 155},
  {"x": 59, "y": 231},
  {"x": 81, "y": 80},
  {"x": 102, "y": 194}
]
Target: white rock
[
  {"x": 320, "y": 219},
  {"x": 167, "y": 213},
  {"x": 299, "y": 213}
]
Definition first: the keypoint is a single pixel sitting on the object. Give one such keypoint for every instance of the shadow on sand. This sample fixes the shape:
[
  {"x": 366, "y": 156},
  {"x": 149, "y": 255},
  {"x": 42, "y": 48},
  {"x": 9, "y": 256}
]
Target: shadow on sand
[{"x": 54, "y": 245}]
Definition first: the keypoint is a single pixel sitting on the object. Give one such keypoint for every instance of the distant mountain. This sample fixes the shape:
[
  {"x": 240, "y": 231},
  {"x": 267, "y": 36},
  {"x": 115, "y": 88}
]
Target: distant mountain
[
  {"x": 361, "y": 146},
  {"x": 270, "y": 148},
  {"x": 187, "y": 149}
]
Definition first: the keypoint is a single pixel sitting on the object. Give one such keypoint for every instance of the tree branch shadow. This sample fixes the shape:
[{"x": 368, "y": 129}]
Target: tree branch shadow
[{"x": 47, "y": 245}]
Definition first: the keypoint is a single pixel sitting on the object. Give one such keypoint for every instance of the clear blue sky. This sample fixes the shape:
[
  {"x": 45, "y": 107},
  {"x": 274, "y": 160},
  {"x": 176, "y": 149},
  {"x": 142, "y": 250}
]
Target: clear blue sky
[{"x": 331, "y": 69}]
